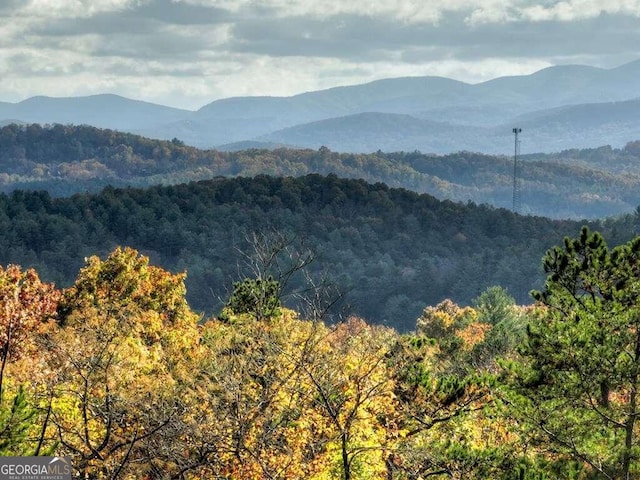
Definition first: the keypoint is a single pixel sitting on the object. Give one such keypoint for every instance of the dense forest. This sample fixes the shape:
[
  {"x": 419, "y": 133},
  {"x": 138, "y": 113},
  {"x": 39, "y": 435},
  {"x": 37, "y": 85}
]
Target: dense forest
[
  {"x": 64, "y": 159},
  {"x": 199, "y": 319},
  {"x": 119, "y": 374},
  {"x": 389, "y": 251}
]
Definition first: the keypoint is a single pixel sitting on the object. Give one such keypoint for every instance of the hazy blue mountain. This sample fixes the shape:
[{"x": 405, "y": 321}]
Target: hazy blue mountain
[
  {"x": 9, "y": 121},
  {"x": 554, "y": 86},
  {"x": 250, "y": 145},
  {"x": 106, "y": 111},
  {"x": 558, "y": 85},
  {"x": 243, "y": 118},
  {"x": 389, "y": 95},
  {"x": 445, "y": 115},
  {"x": 586, "y": 125},
  {"x": 583, "y": 126},
  {"x": 498, "y": 101},
  {"x": 557, "y": 107},
  {"x": 369, "y": 132},
  {"x": 587, "y": 115},
  {"x": 212, "y": 132}
]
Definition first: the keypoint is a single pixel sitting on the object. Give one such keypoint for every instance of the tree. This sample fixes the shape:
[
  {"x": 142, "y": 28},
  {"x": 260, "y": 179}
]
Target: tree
[
  {"x": 122, "y": 360},
  {"x": 27, "y": 305},
  {"x": 494, "y": 305},
  {"x": 277, "y": 268},
  {"x": 454, "y": 331},
  {"x": 256, "y": 417},
  {"x": 348, "y": 371},
  {"x": 256, "y": 297},
  {"x": 290, "y": 398},
  {"x": 276, "y": 256},
  {"x": 437, "y": 393},
  {"x": 498, "y": 309},
  {"x": 27, "y": 310},
  {"x": 578, "y": 383}
]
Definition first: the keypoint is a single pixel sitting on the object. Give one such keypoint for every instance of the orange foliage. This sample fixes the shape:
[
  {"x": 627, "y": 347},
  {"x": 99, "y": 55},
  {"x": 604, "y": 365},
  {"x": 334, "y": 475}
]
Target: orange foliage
[{"x": 473, "y": 334}]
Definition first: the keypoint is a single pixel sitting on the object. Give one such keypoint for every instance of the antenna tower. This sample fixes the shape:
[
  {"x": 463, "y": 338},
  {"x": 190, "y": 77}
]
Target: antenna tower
[{"x": 516, "y": 179}]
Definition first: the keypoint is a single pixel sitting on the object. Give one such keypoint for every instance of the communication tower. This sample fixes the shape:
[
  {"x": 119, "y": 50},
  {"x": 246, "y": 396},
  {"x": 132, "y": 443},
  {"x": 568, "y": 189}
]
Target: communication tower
[{"x": 516, "y": 178}]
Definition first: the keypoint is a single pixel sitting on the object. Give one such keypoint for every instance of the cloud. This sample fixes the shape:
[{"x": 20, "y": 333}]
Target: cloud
[
  {"x": 152, "y": 31},
  {"x": 404, "y": 10},
  {"x": 73, "y": 8},
  {"x": 431, "y": 11},
  {"x": 365, "y": 39},
  {"x": 566, "y": 11},
  {"x": 183, "y": 52}
]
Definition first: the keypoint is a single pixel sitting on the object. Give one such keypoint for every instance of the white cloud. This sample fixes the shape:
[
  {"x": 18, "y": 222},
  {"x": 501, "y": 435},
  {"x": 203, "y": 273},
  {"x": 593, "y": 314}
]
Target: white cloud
[
  {"x": 561, "y": 11},
  {"x": 432, "y": 11},
  {"x": 409, "y": 11},
  {"x": 428, "y": 11},
  {"x": 492, "y": 11},
  {"x": 566, "y": 11},
  {"x": 75, "y": 8}
]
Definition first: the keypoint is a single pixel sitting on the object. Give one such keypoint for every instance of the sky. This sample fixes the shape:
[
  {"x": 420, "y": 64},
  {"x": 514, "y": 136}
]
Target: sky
[{"x": 187, "y": 53}]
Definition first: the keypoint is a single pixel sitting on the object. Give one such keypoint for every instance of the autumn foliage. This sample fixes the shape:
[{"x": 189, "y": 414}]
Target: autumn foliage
[{"x": 119, "y": 373}]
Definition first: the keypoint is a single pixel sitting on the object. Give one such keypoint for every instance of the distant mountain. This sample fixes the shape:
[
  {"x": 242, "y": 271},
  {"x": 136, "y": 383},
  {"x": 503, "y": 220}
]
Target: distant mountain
[
  {"x": 389, "y": 95},
  {"x": 251, "y": 145},
  {"x": 105, "y": 111},
  {"x": 10, "y": 121},
  {"x": 557, "y": 108},
  {"x": 365, "y": 132},
  {"x": 561, "y": 128},
  {"x": 247, "y": 118},
  {"x": 586, "y": 125}
]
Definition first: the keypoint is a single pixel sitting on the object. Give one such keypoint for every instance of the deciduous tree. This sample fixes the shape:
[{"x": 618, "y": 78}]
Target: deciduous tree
[
  {"x": 122, "y": 359},
  {"x": 27, "y": 309}
]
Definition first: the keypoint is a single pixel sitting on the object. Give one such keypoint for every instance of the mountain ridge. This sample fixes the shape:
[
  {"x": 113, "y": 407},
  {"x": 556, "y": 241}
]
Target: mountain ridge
[
  {"x": 64, "y": 160},
  {"x": 494, "y": 105}
]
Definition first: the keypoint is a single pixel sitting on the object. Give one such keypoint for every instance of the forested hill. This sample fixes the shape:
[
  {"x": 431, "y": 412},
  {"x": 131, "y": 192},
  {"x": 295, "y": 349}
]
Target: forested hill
[
  {"x": 67, "y": 159},
  {"x": 393, "y": 251}
]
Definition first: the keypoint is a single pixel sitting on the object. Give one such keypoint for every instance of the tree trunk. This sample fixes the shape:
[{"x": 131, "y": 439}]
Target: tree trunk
[
  {"x": 345, "y": 457},
  {"x": 631, "y": 419}
]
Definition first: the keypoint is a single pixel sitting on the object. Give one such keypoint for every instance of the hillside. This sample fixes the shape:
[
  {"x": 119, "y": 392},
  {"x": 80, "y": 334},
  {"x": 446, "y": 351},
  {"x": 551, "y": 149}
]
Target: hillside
[
  {"x": 561, "y": 107},
  {"x": 262, "y": 391},
  {"x": 392, "y": 251},
  {"x": 365, "y": 132},
  {"x": 571, "y": 184}
]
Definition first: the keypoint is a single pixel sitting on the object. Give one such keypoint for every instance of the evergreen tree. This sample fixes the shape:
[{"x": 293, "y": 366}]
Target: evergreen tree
[
  {"x": 256, "y": 297},
  {"x": 579, "y": 383}
]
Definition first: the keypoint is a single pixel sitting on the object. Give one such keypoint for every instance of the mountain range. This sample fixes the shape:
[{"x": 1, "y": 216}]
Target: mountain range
[{"x": 557, "y": 108}]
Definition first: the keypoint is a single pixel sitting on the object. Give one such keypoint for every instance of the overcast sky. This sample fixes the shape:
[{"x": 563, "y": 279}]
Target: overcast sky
[{"x": 186, "y": 53}]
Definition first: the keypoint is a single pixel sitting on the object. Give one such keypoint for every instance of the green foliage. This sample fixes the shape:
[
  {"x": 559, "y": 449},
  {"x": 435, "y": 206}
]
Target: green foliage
[
  {"x": 494, "y": 305},
  {"x": 66, "y": 159},
  {"x": 129, "y": 386},
  {"x": 434, "y": 402},
  {"x": 16, "y": 418},
  {"x": 508, "y": 324},
  {"x": 580, "y": 378},
  {"x": 256, "y": 297},
  {"x": 391, "y": 250}
]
